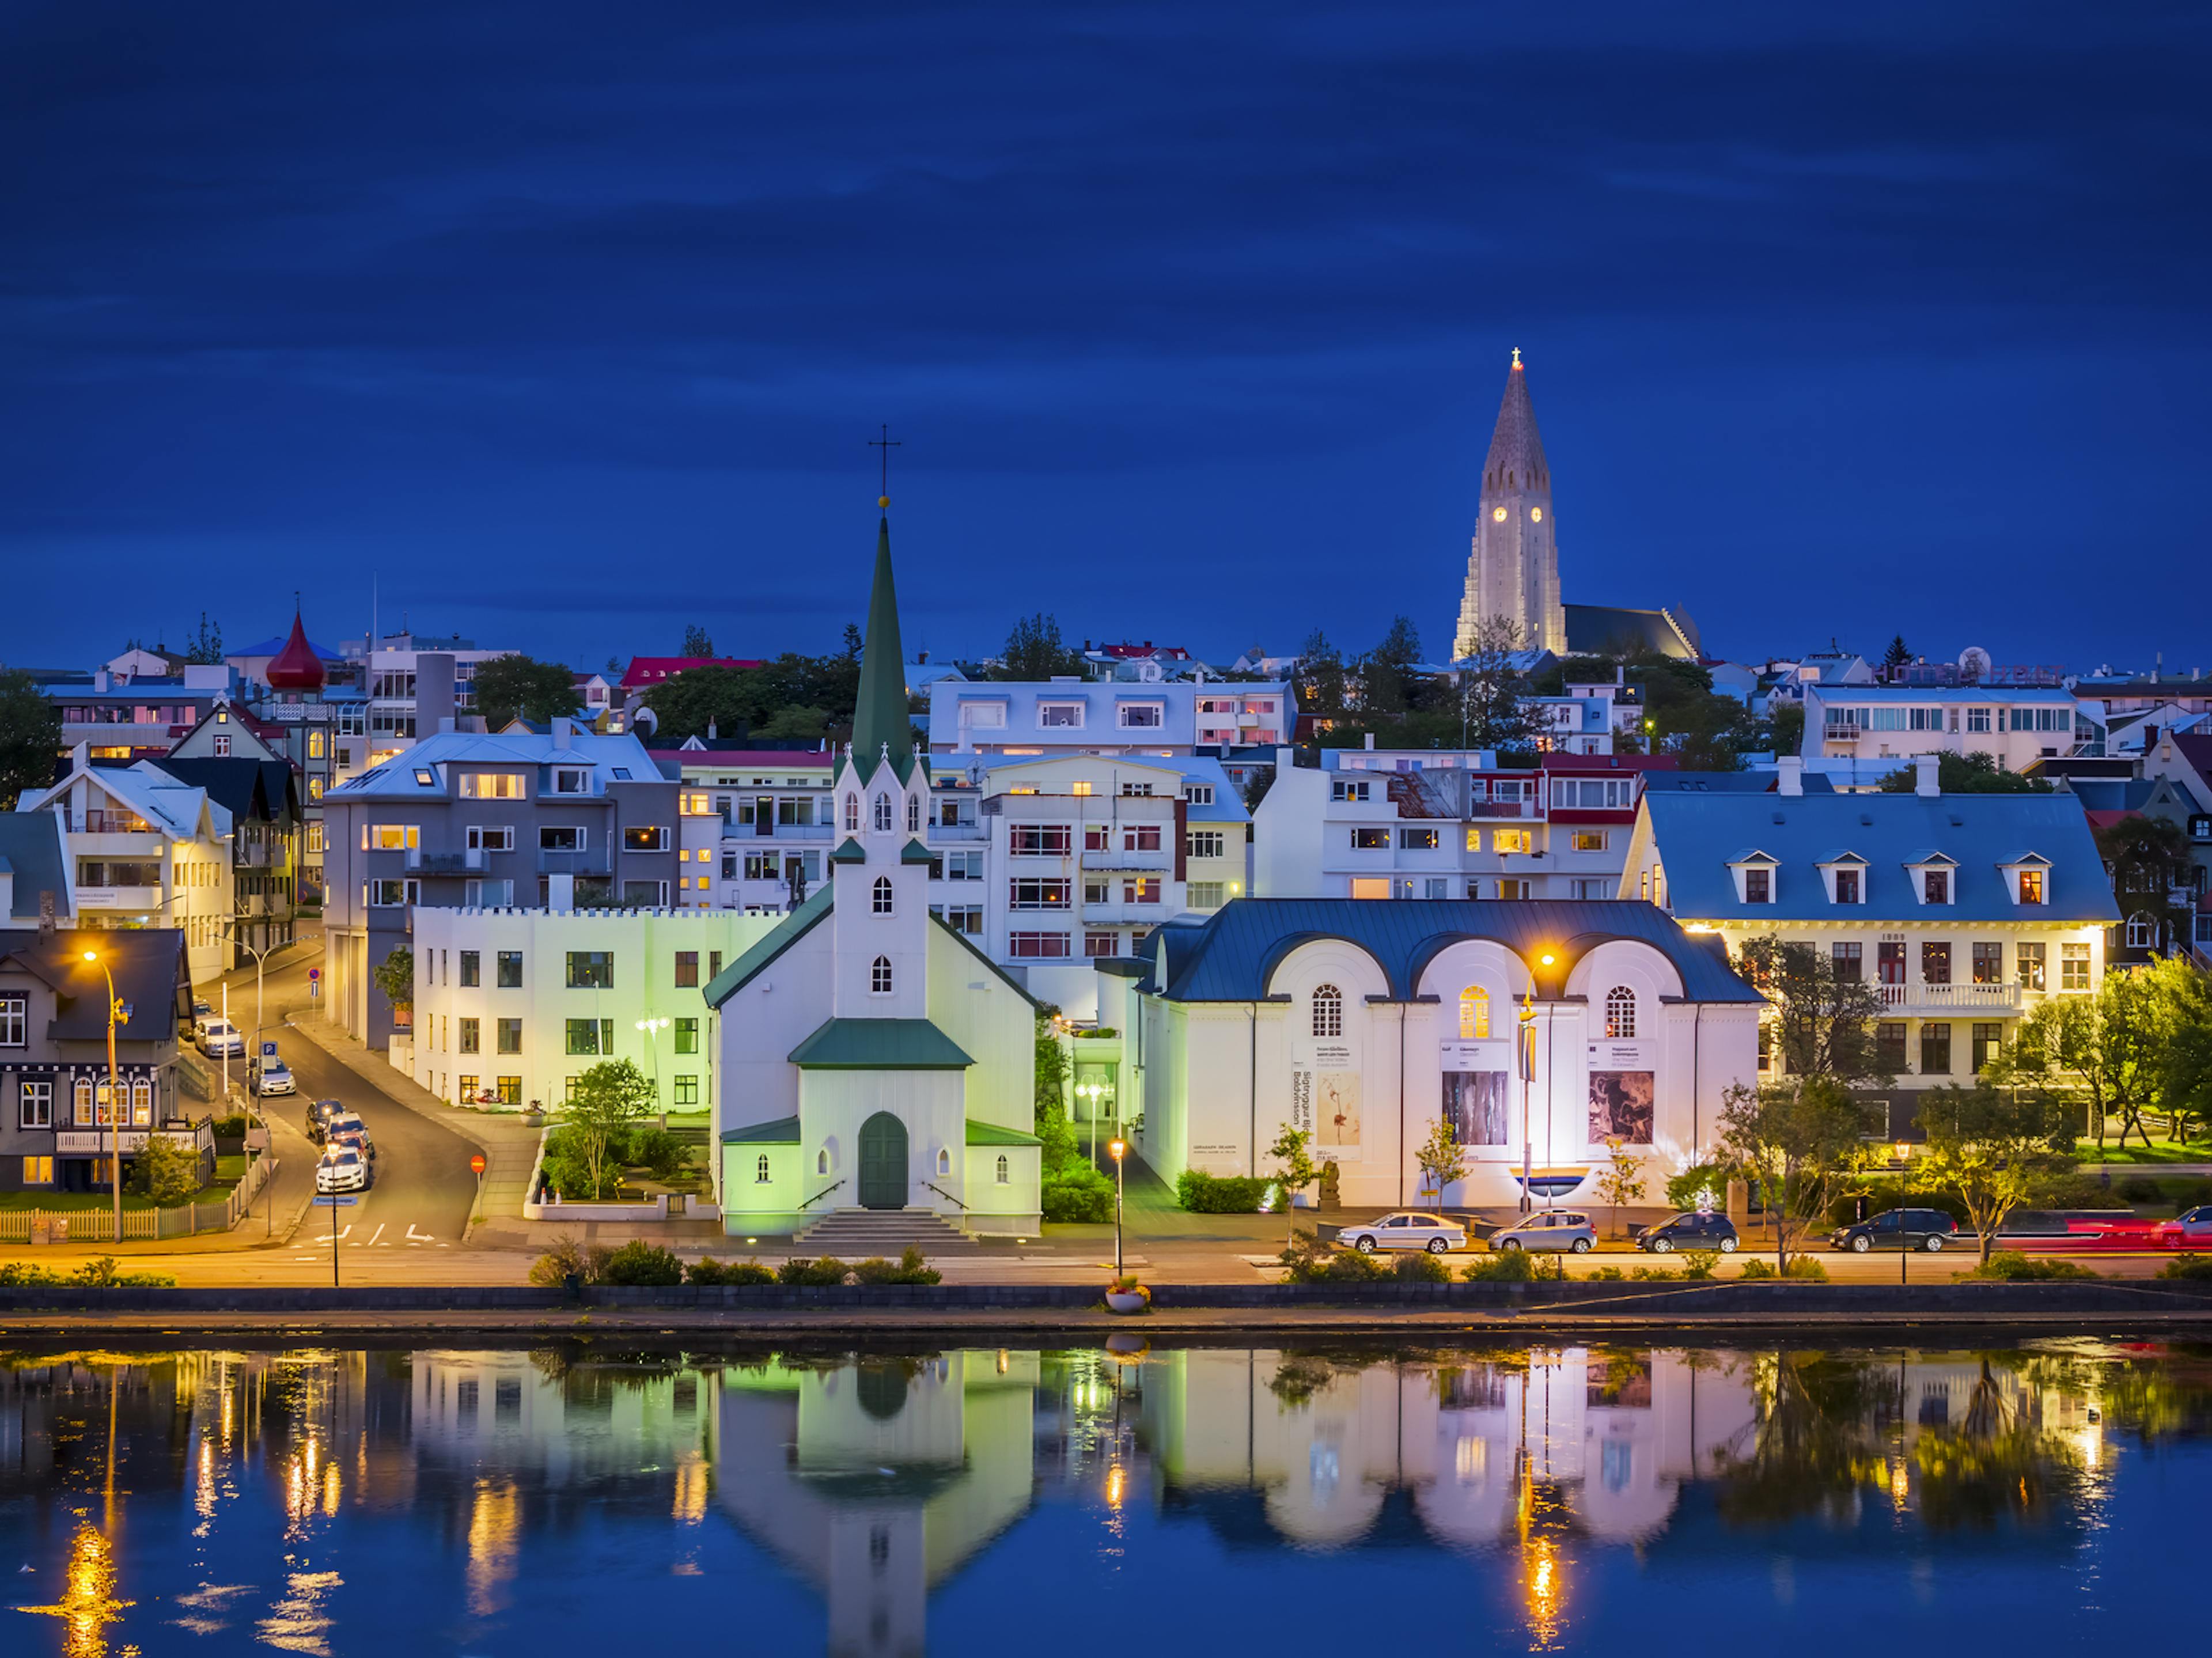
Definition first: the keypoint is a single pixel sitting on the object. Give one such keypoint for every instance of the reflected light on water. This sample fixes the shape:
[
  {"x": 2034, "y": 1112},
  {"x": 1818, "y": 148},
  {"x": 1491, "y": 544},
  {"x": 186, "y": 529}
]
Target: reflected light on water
[
  {"x": 495, "y": 1532},
  {"x": 87, "y": 1605}
]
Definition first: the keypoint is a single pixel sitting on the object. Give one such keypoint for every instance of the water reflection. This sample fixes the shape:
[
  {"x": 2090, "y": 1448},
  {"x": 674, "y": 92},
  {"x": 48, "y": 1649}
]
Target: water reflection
[{"x": 1558, "y": 1498}]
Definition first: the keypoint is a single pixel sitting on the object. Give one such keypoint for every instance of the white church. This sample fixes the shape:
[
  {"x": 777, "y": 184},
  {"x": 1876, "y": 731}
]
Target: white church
[{"x": 870, "y": 1057}]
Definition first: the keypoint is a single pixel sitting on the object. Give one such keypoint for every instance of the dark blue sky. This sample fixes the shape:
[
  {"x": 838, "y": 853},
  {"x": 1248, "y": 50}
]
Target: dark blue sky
[{"x": 572, "y": 322}]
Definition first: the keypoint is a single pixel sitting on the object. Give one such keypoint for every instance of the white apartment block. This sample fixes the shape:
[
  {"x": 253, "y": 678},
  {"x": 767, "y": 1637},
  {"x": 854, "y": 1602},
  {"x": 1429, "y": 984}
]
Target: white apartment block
[
  {"x": 1378, "y": 823},
  {"x": 747, "y": 819},
  {"x": 1076, "y": 716},
  {"x": 1859, "y": 734},
  {"x": 516, "y": 1003}
]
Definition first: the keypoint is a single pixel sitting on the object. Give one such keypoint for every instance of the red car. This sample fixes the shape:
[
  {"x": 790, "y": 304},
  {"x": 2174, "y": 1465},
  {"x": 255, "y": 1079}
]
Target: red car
[{"x": 2190, "y": 1230}]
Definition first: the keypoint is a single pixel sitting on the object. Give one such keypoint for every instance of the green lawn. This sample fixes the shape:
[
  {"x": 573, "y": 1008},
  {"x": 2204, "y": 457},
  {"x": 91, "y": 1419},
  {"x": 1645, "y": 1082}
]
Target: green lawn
[
  {"x": 228, "y": 1171},
  {"x": 2134, "y": 1153}
]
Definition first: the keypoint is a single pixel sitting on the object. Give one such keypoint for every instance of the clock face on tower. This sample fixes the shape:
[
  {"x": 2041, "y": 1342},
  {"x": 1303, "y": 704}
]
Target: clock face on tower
[
  {"x": 1537, "y": 514},
  {"x": 1498, "y": 514}
]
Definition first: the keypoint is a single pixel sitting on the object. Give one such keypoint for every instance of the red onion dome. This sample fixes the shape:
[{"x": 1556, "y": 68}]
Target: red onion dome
[{"x": 296, "y": 667}]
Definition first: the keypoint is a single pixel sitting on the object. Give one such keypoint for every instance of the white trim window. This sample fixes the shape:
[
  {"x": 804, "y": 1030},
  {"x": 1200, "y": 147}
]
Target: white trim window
[
  {"x": 879, "y": 976},
  {"x": 1141, "y": 716},
  {"x": 1060, "y": 716},
  {"x": 883, "y": 814},
  {"x": 15, "y": 1020},
  {"x": 35, "y": 1103},
  {"x": 983, "y": 716},
  {"x": 880, "y": 896},
  {"x": 1620, "y": 1014},
  {"x": 1327, "y": 1010}
]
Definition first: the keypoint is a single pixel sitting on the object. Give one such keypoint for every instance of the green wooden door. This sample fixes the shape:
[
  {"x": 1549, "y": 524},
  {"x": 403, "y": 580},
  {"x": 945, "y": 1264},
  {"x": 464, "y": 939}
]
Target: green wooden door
[{"x": 883, "y": 1162}]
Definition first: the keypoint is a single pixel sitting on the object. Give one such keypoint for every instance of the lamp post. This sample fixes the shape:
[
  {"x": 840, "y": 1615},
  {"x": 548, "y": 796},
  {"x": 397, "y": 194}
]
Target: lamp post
[
  {"x": 1116, "y": 1148},
  {"x": 114, "y": 1099},
  {"x": 652, "y": 1028},
  {"x": 260, "y": 962},
  {"x": 1089, "y": 1092}
]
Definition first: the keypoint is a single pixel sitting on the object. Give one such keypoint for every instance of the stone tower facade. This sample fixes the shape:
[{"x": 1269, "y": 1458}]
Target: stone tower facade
[{"x": 1513, "y": 569}]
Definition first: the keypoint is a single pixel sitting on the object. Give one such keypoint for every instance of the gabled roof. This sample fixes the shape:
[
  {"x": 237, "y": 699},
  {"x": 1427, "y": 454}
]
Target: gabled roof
[
  {"x": 757, "y": 957},
  {"x": 644, "y": 671},
  {"x": 989, "y": 1133},
  {"x": 603, "y": 752},
  {"x": 781, "y": 1131},
  {"x": 849, "y": 851},
  {"x": 35, "y": 851},
  {"x": 147, "y": 964},
  {"x": 879, "y": 1045},
  {"x": 256, "y": 791},
  {"x": 915, "y": 853}
]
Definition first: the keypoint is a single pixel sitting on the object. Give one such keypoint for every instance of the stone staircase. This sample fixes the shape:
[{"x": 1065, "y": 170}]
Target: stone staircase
[{"x": 858, "y": 1234}]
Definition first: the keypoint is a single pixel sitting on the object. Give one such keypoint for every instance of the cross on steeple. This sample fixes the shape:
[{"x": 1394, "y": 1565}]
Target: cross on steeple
[
  {"x": 886, "y": 443},
  {"x": 1516, "y": 356}
]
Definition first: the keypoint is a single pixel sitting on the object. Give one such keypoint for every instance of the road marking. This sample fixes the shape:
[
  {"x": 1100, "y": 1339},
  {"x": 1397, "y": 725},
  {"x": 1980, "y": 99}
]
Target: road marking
[
  {"x": 378, "y": 1233},
  {"x": 344, "y": 1232},
  {"x": 413, "y": 1236}
]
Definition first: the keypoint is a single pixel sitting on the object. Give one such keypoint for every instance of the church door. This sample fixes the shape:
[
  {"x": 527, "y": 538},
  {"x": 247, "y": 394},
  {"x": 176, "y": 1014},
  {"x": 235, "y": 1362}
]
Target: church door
[{"x": 883, "y": 1162}]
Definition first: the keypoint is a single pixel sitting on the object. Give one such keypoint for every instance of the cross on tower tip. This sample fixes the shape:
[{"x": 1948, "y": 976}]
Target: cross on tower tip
[{"x": 886, "y": 442}]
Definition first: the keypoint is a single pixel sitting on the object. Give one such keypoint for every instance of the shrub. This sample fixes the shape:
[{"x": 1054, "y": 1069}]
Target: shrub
[
  {"x": 640, "y": 1263},
  {"x": 1202, "y": 1193},
  {"x": 17, "y": 1273},
  {"x": 1510, "y": 1266},
  {"x": 568, "y": 1258},
  {"x": 1312, "y": 1261},
  {"x": 2010, "y": 1266},
  {"x": 164, "y": 1171},
  {"x": 103, "y": 1273},
  {"x": 909, "y": 1268},
  {"x": 2186, "y": 1268},
  {"x": 710, "y": 1270},
  {"x": 657, "y": 1150},
  {"x": 230, "y": 1128},
  {"x": 1800, "y": 1267},
  {"x": 1683, "y": 1191},
  {"x": 1700, "y": 1263},
  {"x": 823, "y": 1271},
  {"x": 1419, "y": 1266},
  {"x": 1076, "y": 1192},
  {"x": 1609, "y": 1275},
  {"x": 2140, "y": 1188},
  {"x": 2074, "y": 1191},
  {"x": 1649, "y": 1274}
]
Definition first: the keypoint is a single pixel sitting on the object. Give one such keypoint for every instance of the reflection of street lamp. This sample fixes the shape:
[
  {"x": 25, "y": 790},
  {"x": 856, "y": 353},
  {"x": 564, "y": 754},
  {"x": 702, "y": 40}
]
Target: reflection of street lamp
[
  {"x": 114, "y": 1099},
  {"x": 1117, "y": 1147}
]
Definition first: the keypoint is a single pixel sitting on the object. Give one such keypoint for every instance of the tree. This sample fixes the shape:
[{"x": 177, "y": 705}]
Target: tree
[
  {"x": 206, "y": 646},
  {"x": 697, "y": 642},
  {"x": 610, "y": 1097},
  {"x": 517, "y": 686},
  {"x": 1386, "y": 672},
  {"x": 1442, "y": 1160},
  {"x": 1799, "y": 1140},
  {"x": 2099, "y": 1051},
  {"x": 1321, "y": 680},
  {"x": 1495, "y": 712},
  {"x": 2150, "y": 861},
  {"x": 1035, "y": 651},
  {"x": 687, "y": 702},
  {"x": 165, "y": 1171},
  {"x": 2181, "y": 1001},
  {"x": 1824, "y": 1024},
  {"x": 1788, "y": 719},
  {"x": 30, "y": 737},
  {"x": 395, "y": 977},
  {"x": 1294, "y": 1171},
  {"x": 1987, "y": 1145},
  {"x": 804, "y": 724},
  {"x": 1620, "y": 1183},
  {"x": 1965, "y": 774},
  {"x": 1898, "y": 654}
]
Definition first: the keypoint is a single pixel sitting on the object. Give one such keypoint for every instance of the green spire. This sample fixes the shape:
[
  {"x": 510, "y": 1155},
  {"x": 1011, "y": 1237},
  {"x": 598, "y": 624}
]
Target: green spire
[{"x": 879, "y": 717}]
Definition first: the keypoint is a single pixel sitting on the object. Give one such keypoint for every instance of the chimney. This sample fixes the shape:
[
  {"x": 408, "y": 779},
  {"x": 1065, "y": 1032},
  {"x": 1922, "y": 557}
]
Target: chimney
[
  {"x": 1789, "y": 774},
  {"x": 1923, "y": 775},
  {"x": 1370, "y": 739},
  {"x": 560, "y": 730},
  {"x": 712, "y": 735}
]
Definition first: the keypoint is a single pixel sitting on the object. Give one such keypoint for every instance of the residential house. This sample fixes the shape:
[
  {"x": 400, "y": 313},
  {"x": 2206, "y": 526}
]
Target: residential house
[
  {"x": 38, "y": 884},
  {"x": 1860, "y": 734},
  {"x": 262, "y": 800},
  {"x": 1076, "y": 716},
  {"x": 118, "y": 717},
  {"x": 2182, "y": 760}
]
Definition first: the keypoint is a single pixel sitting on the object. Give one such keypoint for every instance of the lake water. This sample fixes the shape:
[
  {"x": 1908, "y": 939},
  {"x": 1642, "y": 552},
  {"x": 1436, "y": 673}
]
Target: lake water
[{"x": 1632, "y": 1499}]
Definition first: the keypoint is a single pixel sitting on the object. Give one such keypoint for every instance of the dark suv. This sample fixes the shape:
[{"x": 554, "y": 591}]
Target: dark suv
[
  {"x": 319, "y": 1113},
  {"x": 1689, "y": 1230},
  {"x": 1897, "y": 1228}
]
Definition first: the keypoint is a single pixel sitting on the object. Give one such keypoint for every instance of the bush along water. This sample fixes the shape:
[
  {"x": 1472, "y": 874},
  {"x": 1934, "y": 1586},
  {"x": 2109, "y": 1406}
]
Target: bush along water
[
  {"x": 2011, "y": 1266},
  {"x": 1803, "y": 1268},
  {"x": 712, "y": 1272}
]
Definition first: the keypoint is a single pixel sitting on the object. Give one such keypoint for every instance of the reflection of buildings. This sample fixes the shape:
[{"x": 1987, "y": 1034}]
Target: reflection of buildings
[{"x": 877, "y": 1481}]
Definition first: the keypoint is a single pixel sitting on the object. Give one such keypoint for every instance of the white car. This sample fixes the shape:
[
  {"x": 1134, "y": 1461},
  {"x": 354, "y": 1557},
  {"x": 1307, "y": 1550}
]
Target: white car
[
  {"x": 1408, "y": 1228},
  {"x": 219, "y": 1039},
  {"x": 270, "y": 1075},
  {"x": 342, "y": 1169}
]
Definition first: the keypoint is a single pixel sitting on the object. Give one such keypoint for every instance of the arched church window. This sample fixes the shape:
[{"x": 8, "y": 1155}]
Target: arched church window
[
  {"x": 1473, "y": 1013},
  {"x": 883, "y": 812},
  {"x": 760, "y": 1170},
  {"x": 1002, "y": 1168},
  {"x": 944, "y": 1161},
  {"x": 1327, "y": 1012},
  {"x": 852, "y": 813},
  {"x": 913, "y": 814},
  {"x": 880, "y": 896},
  {"x": 1621, "y": 1012},
  {"x": 821, "y": 1160},
  {"x": 879, "y": 977}
]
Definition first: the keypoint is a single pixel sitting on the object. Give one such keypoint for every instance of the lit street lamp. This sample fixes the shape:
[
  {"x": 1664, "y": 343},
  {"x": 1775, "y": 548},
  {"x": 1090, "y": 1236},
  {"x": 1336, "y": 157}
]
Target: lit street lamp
[
  {"x": 652, "y": 1027},
  {"x": 1116, "y": 1148},
  {"x": 115, "y": 1010}
]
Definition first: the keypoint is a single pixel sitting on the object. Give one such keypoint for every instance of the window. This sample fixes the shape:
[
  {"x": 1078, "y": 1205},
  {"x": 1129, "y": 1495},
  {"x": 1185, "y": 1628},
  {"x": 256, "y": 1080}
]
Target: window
[
  {"x": 510, "y": 969},
  {"x": 471, "y": 969},
  {"x": 35, "y": 1105},
  {"x": 1765, "y": 1046},
  {"x": 1935, "y": 963},
  {"x": 1849, "y": 961},
  {"x": 1141, "y": 716},
  {"x": 485, "y": 837},
  {"x": 1936, "y": 1050},
  {"x": 1513, "y": 888},
  {"x": 879, "y": 977},
  {"x": 913, "y": 814},
  {"x": 1096, "y": 945},
  {"x": 509, "y": 1088},
  {"x": 966, "y": 919},
  {"x": 1136, "y": 791},
  {"x": 2030, "y": 958},
  {"x": 944, "y": 1161},
  {"x": 2073, "y": 967},
  {"x": 1041, "y": 839},
  {"x": 1038, "y": 895},
  {"x": 392, "y": 895},
  {"x": 562, "y": 837},
  {"x": 15, "y": 1021},
  {"x": 571, "y": 780},
  {"x": 987, "y": 715},
  {"x": 650, "y": 837},
  {"x": 1370, "y": 840},
  {"x": 1140, "y": 837},
  {"x": 1345, "y": 788},
  {"x": 760, "y": 1169},
  {"x": 1033, "y": 946},
  {"x": 1977, "y": 720},
  {"x": 1417, "y": 840},
  {"x": 1847, "y": 886},
  {"x": 1594, "y": 793},
  {"x": 1889, "y": 1045},
  {"x": 222, "y": 748},
  {"x": 1989, "y": 1041},
  {"x": 1988, "y": 963},
  {"x": 1197, "y": 794},
  {"x": 821, "y": 1160},
  {"x": 645, "y": 895},
  {"x": 1935, "y": 886},
  {"x": 686, "y": 1087},
  {"x": 466, "y": 1088},
  {"x": 510, "y": 1035},
  {"x": 1506, "y": 840},
  {"x": 1205, "y": 895},
  {"x": 1759, "y": 886},
  {"x": 1327, "y": 1012},
  {"x": 587, "y": 1036},
  {"x": 851, "y": 814},
  {"x": 491, "y": 786},
  {"x": 1066, "y": 716},
  {"x": 1003, "y": 1171},
  {"x": 2031, "y": 886},
  {"x": 963, "y": 865},
  {"x": 1142, "y": 889},
  {"x": 687, "y": 970},
  {"x": 38, "y": 1171},
  {"x": 1890, "y": 961},
  {"x": 471, "y": 1037},
  {"x": 1620, "y": 1013},
  {"x": 2142, "y": 931},
  {"x": 1098, "y": 837},
  {"x": 1205, "y": 843},
  {"x": 1473, "y": 1013},
  {"x": 883, "y": 814},
  {"x": 591, "y": 970},
  {"x": 687, "y": 1035}
]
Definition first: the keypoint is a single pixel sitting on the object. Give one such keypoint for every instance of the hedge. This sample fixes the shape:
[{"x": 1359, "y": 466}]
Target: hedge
[{"x": 1202, "y": 1193}]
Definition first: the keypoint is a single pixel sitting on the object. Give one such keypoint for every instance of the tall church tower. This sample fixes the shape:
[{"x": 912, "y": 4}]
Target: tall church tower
[{"x": 1513, "y": 569}]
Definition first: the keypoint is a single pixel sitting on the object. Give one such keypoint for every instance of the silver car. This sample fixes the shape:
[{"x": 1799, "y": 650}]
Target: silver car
[
  {"x": 1408, "y": 1228},
  {"x": 1561, "y": 1231}
]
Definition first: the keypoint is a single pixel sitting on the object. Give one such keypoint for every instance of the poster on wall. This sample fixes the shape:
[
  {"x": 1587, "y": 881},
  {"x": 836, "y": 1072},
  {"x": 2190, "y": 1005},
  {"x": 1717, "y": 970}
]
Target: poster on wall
[
  {"x": 1325, "y": 1102},
  {"x": 1623, "y": 1093},
  {"x": 1477, "y": 1092}
]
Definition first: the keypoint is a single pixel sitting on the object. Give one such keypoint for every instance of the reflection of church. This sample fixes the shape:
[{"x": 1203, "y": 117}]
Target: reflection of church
[{"x": 877, "y": 1481}]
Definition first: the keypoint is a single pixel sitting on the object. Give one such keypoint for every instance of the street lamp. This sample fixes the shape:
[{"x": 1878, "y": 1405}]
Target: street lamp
[
  {"x": 1089, "y": 1093},
  {"x": 1116, "y": 1147},
  {"x": 652, "y": 1028},
  {"x": 260, "y": 962},
  {"x": 114, "y": 1093}
]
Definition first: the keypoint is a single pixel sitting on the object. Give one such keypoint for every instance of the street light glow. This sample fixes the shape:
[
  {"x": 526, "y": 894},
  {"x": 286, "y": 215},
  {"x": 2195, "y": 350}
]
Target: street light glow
[{"x": 1116, "y": 1148}]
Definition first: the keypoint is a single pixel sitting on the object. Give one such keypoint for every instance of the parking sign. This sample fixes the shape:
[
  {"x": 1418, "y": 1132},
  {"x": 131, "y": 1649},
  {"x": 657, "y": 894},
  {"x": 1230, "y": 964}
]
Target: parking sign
[{"x": 269, "y": 1050}]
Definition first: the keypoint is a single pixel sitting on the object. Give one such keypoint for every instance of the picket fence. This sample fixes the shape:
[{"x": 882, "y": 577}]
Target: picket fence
[{"x": 97, "y": 1224}]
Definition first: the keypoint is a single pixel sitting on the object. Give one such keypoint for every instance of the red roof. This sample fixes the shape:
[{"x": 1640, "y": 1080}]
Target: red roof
[
  {"x": 645, "y": 670},
  {"x": 754, "y": 757},
  {"x": 1136, "y": 653}
]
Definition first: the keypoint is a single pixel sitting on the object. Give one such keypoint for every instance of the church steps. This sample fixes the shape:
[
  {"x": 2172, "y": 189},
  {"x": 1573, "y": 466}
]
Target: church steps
[{"x": 858, "y": 1234}]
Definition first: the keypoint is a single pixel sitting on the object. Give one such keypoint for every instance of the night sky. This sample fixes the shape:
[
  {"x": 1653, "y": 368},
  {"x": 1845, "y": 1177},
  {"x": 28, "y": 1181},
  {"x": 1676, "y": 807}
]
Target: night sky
[{"x": 570, "y": 323}]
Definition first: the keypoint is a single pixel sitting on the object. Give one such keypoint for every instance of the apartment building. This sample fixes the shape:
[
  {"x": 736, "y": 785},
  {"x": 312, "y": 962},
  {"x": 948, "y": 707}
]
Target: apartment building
[
  {"x": 1857, "y": 734},
  {"x": 147, "y": 850},
  {"x": 752, "y": 823},
  {"x": 564, "y": 819},
  {"x": 1962, "y": 910},
  {"x": 1077, "y": 716},
  {"x": 1381, "y": 824},
  {"x": 123, "y": 716}
]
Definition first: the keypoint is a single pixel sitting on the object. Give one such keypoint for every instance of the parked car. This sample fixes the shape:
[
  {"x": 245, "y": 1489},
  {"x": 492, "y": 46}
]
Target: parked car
[
  {"x": 1689, "y": 1230},
  {"x": 319, "y": 1113},
  {"x": 2190, "y": 1230},
  {"x": 218, "y": 1039},
  {"x": 1897, "y": 1228},
  {"x": 200, "y": 1010},
  {"x": 349, "y": 1130},
  {"x": 270, "y": 1075},
  {"x": 1559, "y": 1230},
  {"x": 1406, "y": 1230},
  {"x": 342, "y": 1169}
]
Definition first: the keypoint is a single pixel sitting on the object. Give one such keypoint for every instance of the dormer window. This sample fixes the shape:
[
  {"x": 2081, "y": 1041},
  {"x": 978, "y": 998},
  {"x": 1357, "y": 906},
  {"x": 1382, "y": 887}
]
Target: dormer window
[
  {"x": 1933, "y": 878},
  {"x": 2027, "y": 875},
  {"x": 1754, "y": 878},
  {"x": 2031, "y": 886},
  {"x": 1935, "y": 886},
  {"x": 1847, "y": 886}
]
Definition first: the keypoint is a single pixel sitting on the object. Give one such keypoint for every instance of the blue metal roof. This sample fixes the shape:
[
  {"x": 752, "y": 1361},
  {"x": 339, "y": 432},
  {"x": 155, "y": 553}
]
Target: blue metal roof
[
  {"x": 1232, "y": 954},
  {"x": 1697, "y": 834}
]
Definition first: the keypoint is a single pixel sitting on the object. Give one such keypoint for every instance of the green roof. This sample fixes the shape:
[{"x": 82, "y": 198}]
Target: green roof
[
  {"x": 879, "y": 1045},
  {"x": 787, "y": 932},
  {"x": 916, "y": 853},
  {"x": 849, "y": 852},
  {"x": 784, "y": 1130},
  {"x": 989, "y": 1133},
  {"x": 882, "y": 727}
]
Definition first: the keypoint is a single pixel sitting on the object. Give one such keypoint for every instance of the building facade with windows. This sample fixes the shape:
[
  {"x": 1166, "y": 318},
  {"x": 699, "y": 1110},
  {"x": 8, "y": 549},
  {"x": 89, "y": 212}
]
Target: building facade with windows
[
  {"x": 1028, "y": 719},
  {"x": 1859, "y": 734},
  {"x": 1963, "y": 911},
  {"x": 1376, "y": 824},
  {"x": 1536, "y": 1032},
  {"x": 562, "y": 819},
  {"x": 513, "y": 1006}
]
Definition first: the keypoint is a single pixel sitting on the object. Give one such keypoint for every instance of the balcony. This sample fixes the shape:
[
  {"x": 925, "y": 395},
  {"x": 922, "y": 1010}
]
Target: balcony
[
  {"x": 145, "y": 900},
  {"x": 1508, "y": 809},
  {"x": 1989, "y": 1001},
  {"x": 591, "y": 861},
  {"x": 1150, "y": 863},
  {"x": 97, "y": 821},
  {"x": 470, "y": 861}
]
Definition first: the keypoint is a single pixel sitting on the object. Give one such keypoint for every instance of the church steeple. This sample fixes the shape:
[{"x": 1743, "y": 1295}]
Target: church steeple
[
  {"x": 1516, "y": 453},
  {"x": 881, "y": 726},
  {"x": 1513, "y": 564}
]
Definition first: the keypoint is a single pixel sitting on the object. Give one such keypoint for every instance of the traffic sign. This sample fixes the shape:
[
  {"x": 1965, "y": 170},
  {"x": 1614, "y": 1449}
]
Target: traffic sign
[
  {"x": 270, "y": 1049},
  {"x": 336, "y": 1200},
  {"x": 314, "y": 973},
  {"x": 476, "y": 1164}
]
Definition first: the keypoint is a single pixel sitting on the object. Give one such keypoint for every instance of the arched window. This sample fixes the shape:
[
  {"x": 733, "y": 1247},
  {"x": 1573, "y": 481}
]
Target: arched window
[
  {"x": 821, "y": 1160},
  {"x": 883, "y": 812},
  {"x": 1002, "y": 1168},
  {"x": 851, "y": 814},
  {"x": 879, "y": 977},
  {"x": 880, "y": 896},
  {"x": 2142, "y": 931},
  {"x": 1327, "y": 1012},
  {"x": 1621, "y": 1012},
  {"x": 1473, "y": 1013},
  {"x": 913, "y": 814},
  {"x": 80, "y": 1097},
  {"x": 141, "y": 1100},
  {"x": 944, "y": 1161},
  {"x": 760, "y": 1170}
]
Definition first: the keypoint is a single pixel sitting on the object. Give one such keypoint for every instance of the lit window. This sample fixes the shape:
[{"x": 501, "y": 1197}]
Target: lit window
[
  {"x": 1327, "y": 1012},
  {"x": 2031, "y": 886},
  {"x": 1473, "y": 1013}
]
